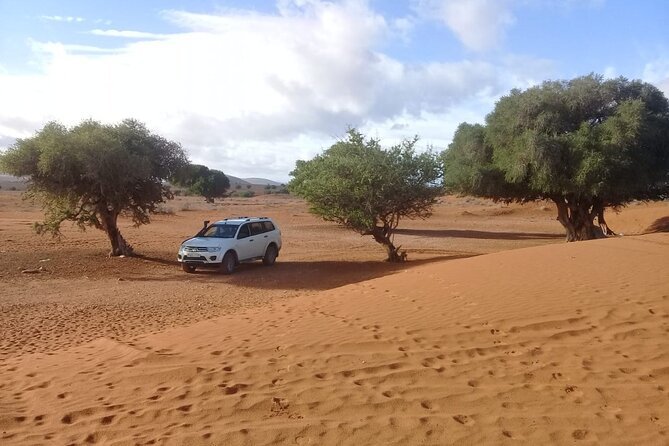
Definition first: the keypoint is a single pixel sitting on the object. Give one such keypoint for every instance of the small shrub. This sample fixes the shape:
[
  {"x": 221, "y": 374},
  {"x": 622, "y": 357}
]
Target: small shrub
[
  {"x": 163, "y": 209},
  {"x": 247, "y": 194}
]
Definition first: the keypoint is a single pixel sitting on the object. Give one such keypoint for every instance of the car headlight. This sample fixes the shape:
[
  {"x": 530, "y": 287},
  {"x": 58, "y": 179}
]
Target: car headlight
[{"x": 217, "y": 249}]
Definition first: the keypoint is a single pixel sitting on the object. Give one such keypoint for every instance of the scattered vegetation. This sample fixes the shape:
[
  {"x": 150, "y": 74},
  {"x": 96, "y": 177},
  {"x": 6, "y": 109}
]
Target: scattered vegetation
[
  {"x": 91, "y": 173},
  {"x": 367, "y": 189},
  {"x": 586, "y": 144},
  {"x": 202, "y": 181}
]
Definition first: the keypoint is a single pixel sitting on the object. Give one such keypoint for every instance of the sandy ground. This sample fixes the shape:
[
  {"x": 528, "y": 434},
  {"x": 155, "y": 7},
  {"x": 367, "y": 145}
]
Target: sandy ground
[{"x": 539, "y": 342}]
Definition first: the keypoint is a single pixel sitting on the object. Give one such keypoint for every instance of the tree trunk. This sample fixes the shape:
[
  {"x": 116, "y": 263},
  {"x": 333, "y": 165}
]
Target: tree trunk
[
  {"x": 382, "y": 236},
  {"x": 577, "y": 218},
  {"x": 602, "y": 223},
  {"x": 119, "y": 246}
]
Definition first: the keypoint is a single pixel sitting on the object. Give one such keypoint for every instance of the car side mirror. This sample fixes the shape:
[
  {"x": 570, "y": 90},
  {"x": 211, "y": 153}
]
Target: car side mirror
[{"x": 204, "y": 228}]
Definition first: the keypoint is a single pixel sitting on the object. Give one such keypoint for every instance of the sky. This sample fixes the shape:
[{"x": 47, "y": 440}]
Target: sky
[{"x": 249, "y": 87}]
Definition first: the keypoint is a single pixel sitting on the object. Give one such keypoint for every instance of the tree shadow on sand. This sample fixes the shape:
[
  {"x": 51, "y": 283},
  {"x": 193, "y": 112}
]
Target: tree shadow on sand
[
  {"x": 469, "y": 233},
  {"x": 159, "y": 260},
  {"x": 300, "y": 275},
  {"x": 659, "y": 225}
]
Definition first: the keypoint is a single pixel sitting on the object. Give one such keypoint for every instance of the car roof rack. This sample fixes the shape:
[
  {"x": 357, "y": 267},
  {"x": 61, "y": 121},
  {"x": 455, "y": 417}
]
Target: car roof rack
[{"x": 245, "y": 218}]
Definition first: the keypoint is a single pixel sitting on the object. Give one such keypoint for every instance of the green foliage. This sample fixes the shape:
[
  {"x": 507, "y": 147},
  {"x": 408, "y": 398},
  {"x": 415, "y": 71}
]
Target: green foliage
[
  {"x": 247, "y": 194},
  {"x": 586, "y": 137},
  {"x": 365, "y": 188},
  {"x": 202, "y": 181},
  {"x": 92, "y": 172},
  {"x": 587, "y": 142}
]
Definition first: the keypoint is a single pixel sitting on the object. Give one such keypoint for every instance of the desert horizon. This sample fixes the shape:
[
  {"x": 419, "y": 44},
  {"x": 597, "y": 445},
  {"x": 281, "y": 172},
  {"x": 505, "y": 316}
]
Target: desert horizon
[{"x": 494, "y": 331}]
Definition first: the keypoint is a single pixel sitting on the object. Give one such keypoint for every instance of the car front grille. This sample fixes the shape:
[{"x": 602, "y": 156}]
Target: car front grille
[{"x": 195, "y": 249}]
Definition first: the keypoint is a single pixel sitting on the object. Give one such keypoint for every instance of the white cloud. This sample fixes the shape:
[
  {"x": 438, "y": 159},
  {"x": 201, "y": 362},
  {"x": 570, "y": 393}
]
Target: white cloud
[
  {"x": 479, "y": 24},
  {"x": 60, "y": 18},
  {"x": 610, "y": 72},
  {"x": 250, "y": 93},
  {"x": 657, "y": 73},
  {"x": 126, "y": 34}
]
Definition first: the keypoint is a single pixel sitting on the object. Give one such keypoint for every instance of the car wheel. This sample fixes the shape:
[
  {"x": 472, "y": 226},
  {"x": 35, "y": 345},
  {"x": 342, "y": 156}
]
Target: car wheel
[
  {"x": 229, "y": 262},
  {"x": 188, "y": 268},
  {"x": 270, "y": 255}
]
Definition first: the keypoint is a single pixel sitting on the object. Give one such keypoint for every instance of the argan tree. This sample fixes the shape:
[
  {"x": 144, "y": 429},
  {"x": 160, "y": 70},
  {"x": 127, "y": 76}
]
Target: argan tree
[
  {"x": 586, "y": 144},
  {"x": 92, "y": 173},
  {"x": 200, "y": 180},
  {"x": 363, "y": 187}
]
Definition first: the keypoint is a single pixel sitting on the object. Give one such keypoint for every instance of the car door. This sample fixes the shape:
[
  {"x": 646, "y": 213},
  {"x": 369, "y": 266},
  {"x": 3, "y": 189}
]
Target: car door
[
  {"x": 245, "y": 243},
  {"x": 258, "y": 241}
]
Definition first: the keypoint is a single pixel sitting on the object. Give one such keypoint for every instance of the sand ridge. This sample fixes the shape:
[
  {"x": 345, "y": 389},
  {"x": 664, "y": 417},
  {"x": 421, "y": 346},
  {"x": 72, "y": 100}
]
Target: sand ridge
[{"x": 452, "y": 352}]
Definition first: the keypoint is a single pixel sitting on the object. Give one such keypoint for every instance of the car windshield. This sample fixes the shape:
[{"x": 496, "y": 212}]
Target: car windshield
[{"x": 221, "y": 231}]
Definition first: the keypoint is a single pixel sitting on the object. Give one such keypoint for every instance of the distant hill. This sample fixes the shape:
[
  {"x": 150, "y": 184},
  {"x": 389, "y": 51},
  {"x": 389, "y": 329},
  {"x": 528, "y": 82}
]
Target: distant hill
[
  {"x": 260, "y": 181},
  {"x": 8, "y": 182},
  {"x": 235, "y": 181}
]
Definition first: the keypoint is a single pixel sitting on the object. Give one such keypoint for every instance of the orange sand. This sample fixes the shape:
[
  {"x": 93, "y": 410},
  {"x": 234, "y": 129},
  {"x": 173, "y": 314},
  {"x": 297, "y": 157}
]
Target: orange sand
[{"x": 554, "y": 344}]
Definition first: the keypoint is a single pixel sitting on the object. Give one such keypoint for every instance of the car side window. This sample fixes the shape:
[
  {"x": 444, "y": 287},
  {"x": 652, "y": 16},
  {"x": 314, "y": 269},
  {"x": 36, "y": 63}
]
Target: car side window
[
  {"x": 256, "y": 228},
  {"x": 243, "y": 232},
  {"x": 268, "y": 226}
]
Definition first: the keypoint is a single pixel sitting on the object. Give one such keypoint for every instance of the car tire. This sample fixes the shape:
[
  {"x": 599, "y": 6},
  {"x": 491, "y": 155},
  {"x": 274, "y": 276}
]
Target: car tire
[
  {"x": 228, "y": 263},
  {"x": 271, "y": 254},
  {"x": 188, "y": 267}
]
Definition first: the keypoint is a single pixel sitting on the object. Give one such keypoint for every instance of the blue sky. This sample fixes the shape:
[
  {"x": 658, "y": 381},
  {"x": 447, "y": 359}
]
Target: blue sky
[{"x": 248, "y": 87}]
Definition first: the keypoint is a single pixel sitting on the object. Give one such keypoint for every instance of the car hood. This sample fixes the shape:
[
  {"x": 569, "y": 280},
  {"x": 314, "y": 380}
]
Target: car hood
[{"x": 207, "y": 241}]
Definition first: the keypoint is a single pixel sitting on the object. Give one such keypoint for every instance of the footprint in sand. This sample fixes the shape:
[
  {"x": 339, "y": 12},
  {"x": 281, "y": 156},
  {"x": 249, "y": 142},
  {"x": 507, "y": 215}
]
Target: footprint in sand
[
  {"x": 107, "y": 420},
  {"x": 428, "y": 362},
  {"x": 579, "y": 434},
  {"x": 464, "y": 419}
]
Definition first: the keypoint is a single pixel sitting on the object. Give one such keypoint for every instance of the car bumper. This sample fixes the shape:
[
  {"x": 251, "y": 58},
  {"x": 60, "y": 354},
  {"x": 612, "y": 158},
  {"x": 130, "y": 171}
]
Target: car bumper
[{"x": 200, "y": 258}]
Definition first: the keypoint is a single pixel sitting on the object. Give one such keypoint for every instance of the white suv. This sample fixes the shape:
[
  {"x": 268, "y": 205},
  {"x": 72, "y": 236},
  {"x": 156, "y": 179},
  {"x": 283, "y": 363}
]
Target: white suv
[{"x": 226, "y": 243}]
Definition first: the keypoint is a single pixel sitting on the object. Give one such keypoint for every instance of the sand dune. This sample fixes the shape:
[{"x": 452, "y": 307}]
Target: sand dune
[{"x": 561, "y": 344}]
